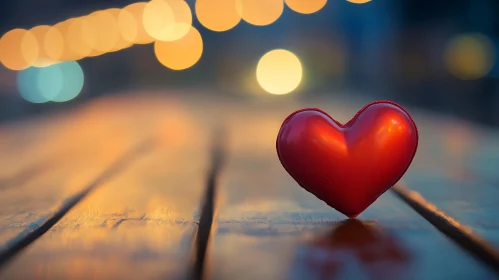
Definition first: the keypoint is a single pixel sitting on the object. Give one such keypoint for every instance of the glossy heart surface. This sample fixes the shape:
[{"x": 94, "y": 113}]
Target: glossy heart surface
[{"x": 348, "y": 166}]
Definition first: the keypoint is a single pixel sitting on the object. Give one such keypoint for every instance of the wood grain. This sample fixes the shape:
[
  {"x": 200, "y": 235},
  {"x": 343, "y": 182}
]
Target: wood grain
[
  {"x": 455, "y": 170},
  {"x": 461, "y": 234},
  {"x": 140, "y": 224}
]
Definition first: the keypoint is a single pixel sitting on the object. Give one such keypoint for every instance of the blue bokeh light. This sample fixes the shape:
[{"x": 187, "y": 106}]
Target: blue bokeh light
[
  {"x": 59, "y": 82},
  {"x": 72, "y": 83}
]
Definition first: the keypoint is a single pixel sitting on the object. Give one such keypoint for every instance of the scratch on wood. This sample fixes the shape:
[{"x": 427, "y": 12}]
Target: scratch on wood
[{"x": 458, "y": 232}]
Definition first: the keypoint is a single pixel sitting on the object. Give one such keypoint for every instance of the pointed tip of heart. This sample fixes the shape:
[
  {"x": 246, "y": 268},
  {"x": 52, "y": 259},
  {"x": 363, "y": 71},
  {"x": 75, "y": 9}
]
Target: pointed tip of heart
[{"x": 351, "y": 213}]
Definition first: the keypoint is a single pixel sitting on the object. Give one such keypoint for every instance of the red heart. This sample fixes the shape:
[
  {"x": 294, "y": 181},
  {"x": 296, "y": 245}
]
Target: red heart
[{"x": 348, "y": 166}]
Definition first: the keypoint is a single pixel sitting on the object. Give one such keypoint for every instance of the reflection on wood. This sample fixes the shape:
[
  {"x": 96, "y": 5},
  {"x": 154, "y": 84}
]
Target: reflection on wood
[
  {"x": 354, "y": 248},
  {"x": 264, "y": 216}
]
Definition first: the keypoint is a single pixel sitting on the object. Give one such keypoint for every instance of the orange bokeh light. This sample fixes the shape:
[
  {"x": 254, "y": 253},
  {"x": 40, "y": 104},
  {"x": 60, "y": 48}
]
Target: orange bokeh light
[
  {"x": 167, "y": 20},
  {"x": 54, "y": 44},
  {"x": 359, "y": 1},
  {"x": 63, "y": 29},
  {"x": 128, "y": 26},
  {"x": 103, "y": 32},
  {"x": 18, "y": 49},
  {"x": 306, "y": 6},
  {"x": 217, "y": 15},
  {"x": 180, "y": 54},
  {"x": 79, "y": 38},
  {"x": 137, "y": 10},
  {"x": 122, "y": 41},
  {"x": 260, "y": 12},
  {"x": 39, "y": 32}
]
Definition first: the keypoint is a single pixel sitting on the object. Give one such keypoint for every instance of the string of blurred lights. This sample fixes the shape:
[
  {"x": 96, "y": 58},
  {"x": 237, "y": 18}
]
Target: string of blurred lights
[
  {"x": 46, "y": 56},
  {"x": 115, "y": 29}
]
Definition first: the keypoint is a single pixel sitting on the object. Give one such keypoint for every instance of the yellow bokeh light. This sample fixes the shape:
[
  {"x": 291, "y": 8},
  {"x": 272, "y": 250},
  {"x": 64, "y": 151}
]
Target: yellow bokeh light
[
  {"x": 128, "y": 26},
  {"x": 137, "y": 11},
  {"x": 260, "y": 12},
  {"x": 158, "y": 19},
  {"x": 279, "y": 72},
  {"x": 217, "y": 15},
  {"x": 359, "y": 1},
  {"x": 306, "y": 6},
  {"x": 180, "y": 54},
  {"x": 18, "y": 49},
  {"x": 167, "y": 20},
  {"x": 103, "y": 32},
  {"x": 469, "y": 57}
]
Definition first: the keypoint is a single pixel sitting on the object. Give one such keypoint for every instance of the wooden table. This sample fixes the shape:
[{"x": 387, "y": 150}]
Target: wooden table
[{"x": 184, "y": 185}]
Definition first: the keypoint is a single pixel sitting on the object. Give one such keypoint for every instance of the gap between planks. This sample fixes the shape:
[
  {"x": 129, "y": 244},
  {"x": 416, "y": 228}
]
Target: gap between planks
[
  {"x": 37, "y": 229},
  {"x": 208, "y": 205},
  {"x": 460, "y": 234}
]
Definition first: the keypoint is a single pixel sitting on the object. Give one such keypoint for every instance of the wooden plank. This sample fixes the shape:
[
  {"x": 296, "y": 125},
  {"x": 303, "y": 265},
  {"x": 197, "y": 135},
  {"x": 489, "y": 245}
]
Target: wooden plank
[
  {"x": 269, "y": 228},
  {"x": 36, "y": 191},
  {"x": 262, "y": 212},
  {"x": 41, "y": 226},
  {"x": 461, "y": 234},
  {"x": 454, "y": 169},
  {"x": 50, "y": 158},
  {"x": 140, "y": 225}
]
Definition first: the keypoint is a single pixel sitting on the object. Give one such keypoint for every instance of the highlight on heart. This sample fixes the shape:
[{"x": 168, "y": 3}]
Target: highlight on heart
[{"x": 350, "y": 165}]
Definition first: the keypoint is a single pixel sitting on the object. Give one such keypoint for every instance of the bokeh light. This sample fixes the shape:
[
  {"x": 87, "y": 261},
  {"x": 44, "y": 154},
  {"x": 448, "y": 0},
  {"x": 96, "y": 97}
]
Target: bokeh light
[
  {"x": 121, "y": 42},
  {"x": 49, "y": 82},
  {"x": 158, "y": 19},
  {"x": 18, "y": 49},
  {"x": 42, "y": 58},
  {"x": 470, "y": 57},
  {"x": 63, "y": 29},
  {"x": 279, "y": 71},
  {"x": 27, "y": 85},
  {"x": 54, "y": 44},
  {"x": 58, "y": 82},
  {"x": 128, "y": 26},
  {"x": 359, "y": 1},
  {"x": 73, "y": 80},
  {"x": 306, "y": 6},
  {"x": 79, "y": 38},
  {"x": 137, "y": 11},
  {"x": 217, "y": 15},
  {"x": 260, "y": 12},
  {"x": 167, "y": 20},
  {"x": 103, "y": 31},
  {"x": 180, "y": 54}
]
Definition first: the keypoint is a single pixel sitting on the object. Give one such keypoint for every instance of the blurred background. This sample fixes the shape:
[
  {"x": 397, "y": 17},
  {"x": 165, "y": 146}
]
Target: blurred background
[{"x": 439, "y": 55}]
